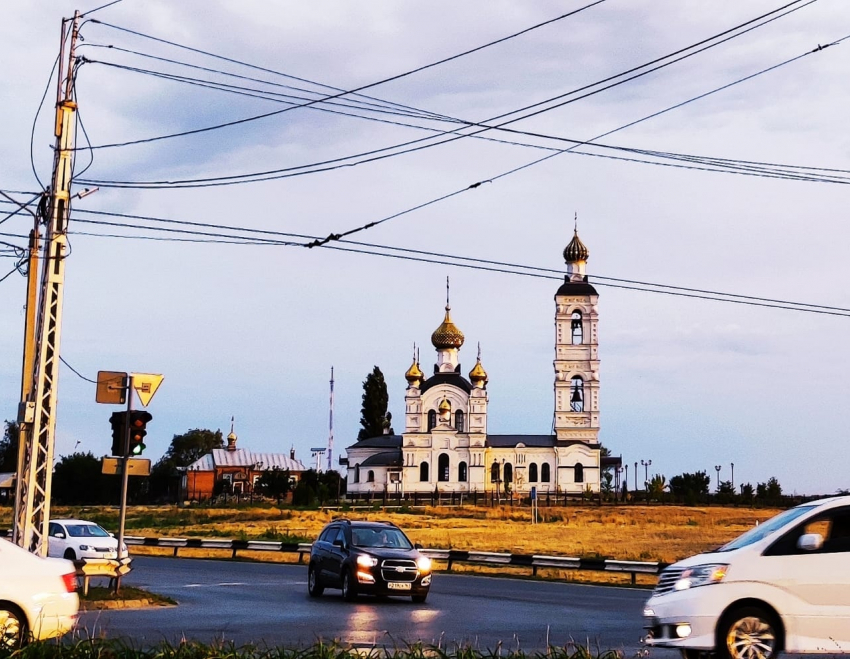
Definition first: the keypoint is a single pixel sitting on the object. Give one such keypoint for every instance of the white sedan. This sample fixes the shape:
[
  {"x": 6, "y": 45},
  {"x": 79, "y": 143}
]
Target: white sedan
[
  {"x": 76, "y": 539},
  {"x": 38, "y": 597}
]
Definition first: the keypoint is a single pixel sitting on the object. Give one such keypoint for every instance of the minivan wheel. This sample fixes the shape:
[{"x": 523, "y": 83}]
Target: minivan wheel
[
  {"x": 13, "y": 627},
  {"x": 749, "y": 633},
  {"x": 314, "y": 588},
  {"x": 349, "y": 592}
]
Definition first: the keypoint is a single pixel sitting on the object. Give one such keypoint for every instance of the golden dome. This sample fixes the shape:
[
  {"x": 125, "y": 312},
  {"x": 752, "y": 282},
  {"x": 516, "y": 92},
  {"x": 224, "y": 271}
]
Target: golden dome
[
  {"x": 575, "y": 251},
  {"x": 478, "y": 374},
  {"x": 414, "y": 373},
  {"x": 447, "y": 335},
  {"x": 445, "y": 405}
]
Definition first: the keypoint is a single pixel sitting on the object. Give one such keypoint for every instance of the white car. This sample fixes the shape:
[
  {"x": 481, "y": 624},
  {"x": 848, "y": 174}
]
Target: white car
[
  {"x": 38, "y": 597},
  {"x": 76, "y": 539},
  {"x": 781, "y": 586}
]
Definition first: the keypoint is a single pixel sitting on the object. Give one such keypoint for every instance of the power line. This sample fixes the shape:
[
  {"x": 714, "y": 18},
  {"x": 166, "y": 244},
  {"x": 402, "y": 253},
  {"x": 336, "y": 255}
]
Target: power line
[
  {"x": 357, "y": 89},
  {"x": 427, "y": 142}
]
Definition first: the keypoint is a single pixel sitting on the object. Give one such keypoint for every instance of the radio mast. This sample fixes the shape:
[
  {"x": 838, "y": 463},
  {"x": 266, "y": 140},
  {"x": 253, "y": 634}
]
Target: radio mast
[{"x": 331, "y": 426}]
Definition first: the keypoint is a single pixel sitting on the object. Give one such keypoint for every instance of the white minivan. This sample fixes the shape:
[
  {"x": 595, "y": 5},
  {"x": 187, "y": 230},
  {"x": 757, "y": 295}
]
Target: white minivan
[{"x": 781, "y": 586}]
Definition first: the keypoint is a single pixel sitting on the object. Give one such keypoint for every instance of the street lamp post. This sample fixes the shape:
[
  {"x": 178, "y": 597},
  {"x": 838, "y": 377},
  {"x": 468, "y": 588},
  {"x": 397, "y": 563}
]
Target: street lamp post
[
  {"x": 645, "y": 464},
  {"x": 732, "y": 464},
  {"x": 626, "y": 479},
  {"x": 635, "y": 476},
  {"x": 717, "y": 469}
]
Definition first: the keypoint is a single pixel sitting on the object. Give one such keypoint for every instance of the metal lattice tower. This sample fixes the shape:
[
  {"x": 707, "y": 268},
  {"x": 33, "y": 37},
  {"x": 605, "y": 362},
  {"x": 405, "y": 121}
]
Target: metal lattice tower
[{"x": 37, "y": 414}]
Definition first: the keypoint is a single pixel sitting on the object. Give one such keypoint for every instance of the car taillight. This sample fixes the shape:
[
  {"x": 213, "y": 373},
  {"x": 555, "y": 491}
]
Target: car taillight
[{"x": 70, "y": 581}]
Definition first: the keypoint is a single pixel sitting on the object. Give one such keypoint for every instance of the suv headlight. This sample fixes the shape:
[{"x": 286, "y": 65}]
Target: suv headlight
[
  {"x": 423, "y": 563},
  {"x": 364, "y": 560},
  {"x": 701, "y": 575}
]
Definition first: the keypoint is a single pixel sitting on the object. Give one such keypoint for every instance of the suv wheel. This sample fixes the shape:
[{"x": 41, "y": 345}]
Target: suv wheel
[
  {"x": 749, "y": 633},
  {"x": 419, "y": 599},
  {"x": 314, "y": 588},
  {"x": 349, "y": 591}
]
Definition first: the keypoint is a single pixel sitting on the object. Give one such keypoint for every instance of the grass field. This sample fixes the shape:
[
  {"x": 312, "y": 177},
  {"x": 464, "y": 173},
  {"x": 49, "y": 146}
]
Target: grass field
[{"x": 630, "y": 532}]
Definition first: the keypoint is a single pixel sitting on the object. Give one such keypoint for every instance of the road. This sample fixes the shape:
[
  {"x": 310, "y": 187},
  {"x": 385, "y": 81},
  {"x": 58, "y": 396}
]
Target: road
[{"x": 267, "y": 604}]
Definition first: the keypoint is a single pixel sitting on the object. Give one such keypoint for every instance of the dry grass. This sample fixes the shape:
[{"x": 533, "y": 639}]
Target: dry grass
[{"x": 631, "y": 532}]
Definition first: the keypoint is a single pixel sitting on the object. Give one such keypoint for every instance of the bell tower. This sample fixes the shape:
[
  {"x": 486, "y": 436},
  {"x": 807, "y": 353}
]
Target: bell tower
[{"x": 576, "y": 352}]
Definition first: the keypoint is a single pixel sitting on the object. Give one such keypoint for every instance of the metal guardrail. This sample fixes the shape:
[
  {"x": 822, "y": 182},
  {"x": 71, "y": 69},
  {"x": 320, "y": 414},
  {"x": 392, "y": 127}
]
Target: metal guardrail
[{"x": 447, "y": 556}]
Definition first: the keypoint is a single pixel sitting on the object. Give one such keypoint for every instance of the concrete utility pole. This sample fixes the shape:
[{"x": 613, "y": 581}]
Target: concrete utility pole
[{"x": 37, "y": 413}]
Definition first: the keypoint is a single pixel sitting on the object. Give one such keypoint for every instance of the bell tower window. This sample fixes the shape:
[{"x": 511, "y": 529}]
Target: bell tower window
[
  {"x": 423, "y": 472},
  {"x": 432, "y": 419},
  {"x": 443, "y": 467},
  {"x": 576, "y": 328},
  {"x": 460, "y": 421},
  {"x": 532, "y": 472},
  {"x": 577, "y": 394},
  {"x": 579, "y": 473}
]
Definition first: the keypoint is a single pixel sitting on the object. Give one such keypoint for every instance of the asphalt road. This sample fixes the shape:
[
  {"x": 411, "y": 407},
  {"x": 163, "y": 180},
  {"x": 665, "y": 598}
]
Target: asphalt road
[{"x": 267, "y": 604}]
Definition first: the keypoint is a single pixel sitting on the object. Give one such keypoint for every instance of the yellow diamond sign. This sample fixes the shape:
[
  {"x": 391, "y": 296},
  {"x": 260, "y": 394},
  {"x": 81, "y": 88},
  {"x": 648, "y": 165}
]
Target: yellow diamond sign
[{"x": 146, "y": 385}]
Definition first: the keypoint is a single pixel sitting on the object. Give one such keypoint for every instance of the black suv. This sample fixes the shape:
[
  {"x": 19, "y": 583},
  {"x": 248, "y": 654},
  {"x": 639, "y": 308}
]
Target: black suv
[{"x": 367, "y": 557}]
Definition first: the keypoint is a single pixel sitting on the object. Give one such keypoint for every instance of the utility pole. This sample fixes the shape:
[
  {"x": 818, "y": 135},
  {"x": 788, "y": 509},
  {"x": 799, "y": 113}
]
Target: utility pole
[
  {"x": 331, "y": 426},
  {"x": 37, "y": 414}
]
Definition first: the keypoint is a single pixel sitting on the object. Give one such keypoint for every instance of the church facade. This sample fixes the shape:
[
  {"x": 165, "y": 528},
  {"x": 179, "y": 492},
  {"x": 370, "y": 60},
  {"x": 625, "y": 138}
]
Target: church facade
[{"x": 446, "y": 446}]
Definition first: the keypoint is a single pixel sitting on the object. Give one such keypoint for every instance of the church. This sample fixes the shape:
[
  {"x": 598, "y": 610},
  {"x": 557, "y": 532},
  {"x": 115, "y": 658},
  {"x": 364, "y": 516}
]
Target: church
[{"x": 446, "y": 447}]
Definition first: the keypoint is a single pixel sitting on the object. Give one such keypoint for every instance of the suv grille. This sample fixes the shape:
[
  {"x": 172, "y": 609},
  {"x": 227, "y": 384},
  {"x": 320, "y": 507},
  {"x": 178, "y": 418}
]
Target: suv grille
[
  {"x": 667, "y": 580},
  {"x": 397, "y": 569}
]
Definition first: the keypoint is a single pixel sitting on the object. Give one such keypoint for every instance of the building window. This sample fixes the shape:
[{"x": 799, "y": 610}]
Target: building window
[
  {"x": 460, "y": 421},
  {"x": 576, "y": 328},
  {"x": 532, "y": 472},
  {"x": 579, "y": 473},
  {"x": 577, "y": 394},
  {"x": 494, "y": 472},
  {"x": 356, "y": 473},
  {"x": 443, "y": 467},
  {"x": 432, "y": 420},
  {"x": 461, "y": 472},
  {"x": 370, "y": 477},
  {"x": 545, "y": 475},
  {"x": 509, "y": 472},
  {"x": 423, "y": 472}
]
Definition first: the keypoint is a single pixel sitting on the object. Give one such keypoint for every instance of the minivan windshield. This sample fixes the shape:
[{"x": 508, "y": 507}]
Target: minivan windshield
[{"x": 763, "y": 530}]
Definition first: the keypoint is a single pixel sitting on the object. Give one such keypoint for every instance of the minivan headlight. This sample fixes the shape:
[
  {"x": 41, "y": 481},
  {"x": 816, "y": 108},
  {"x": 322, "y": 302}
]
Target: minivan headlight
[
  {"x": 701, "y": 575},
  {"x": 363, "y": 560}
]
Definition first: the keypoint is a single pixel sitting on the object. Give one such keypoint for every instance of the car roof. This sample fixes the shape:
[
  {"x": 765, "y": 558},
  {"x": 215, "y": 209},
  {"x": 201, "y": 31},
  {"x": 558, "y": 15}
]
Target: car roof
[
  {"x": 364, "y": 523},
  {"x": 74, "y": 521}
]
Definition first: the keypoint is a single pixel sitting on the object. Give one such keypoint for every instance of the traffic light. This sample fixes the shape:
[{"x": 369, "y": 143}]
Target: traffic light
[
  {"x": 118, "y": 421},
  {"x": 138, "y": 420}
]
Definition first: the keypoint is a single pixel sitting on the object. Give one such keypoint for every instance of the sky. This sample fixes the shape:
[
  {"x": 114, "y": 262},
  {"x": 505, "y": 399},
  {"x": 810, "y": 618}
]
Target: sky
[{"x": 252, "y": 331}]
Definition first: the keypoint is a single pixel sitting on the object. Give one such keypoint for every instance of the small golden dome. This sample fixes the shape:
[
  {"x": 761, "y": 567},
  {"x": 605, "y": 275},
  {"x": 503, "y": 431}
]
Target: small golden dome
[
  {"x": 445, "y": 405},
  {"x": 231, "y": 436},
  {"x": 478, "y": 374},
  {"x": 414, "y": 373},
  {"x": 447, "y": 335},
  {"x": 575, "y": 251}
]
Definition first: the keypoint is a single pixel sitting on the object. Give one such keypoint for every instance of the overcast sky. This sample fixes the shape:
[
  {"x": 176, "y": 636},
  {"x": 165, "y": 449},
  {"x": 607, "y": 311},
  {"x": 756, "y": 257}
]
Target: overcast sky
[{"x": 252, "y": 331}]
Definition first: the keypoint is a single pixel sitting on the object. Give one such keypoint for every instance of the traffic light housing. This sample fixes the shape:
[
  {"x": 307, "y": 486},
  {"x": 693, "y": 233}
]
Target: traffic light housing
[
  {"x": 118, "y": 421},
  {"x": 138, "y": 422}
]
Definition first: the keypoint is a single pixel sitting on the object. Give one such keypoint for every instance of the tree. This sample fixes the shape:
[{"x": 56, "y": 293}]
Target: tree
[
  {"x": 690, "y": 486},
  {"x": 726, "y": 492},
  {"x": 9, "y": 448},
  {"x": 77, "y": 480},
  {"x": 748, "y": 492},
  {"x": 656, "y": 487},
  {"x": 770, "y": 492},
  {"x": 183, "y": 451},
  {"x": 373, "y": 416},
  {"x": 275, "y": 482}
]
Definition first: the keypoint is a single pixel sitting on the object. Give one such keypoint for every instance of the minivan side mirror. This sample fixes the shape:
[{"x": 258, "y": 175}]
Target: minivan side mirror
[{"x": 810, "y": 542}]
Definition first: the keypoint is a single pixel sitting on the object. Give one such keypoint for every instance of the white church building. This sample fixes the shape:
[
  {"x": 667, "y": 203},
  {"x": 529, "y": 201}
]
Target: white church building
[{"x": 446, "y": 447}]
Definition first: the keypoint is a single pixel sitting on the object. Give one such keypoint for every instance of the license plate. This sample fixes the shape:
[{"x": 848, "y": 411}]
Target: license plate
[{"x": 398, "y": 585}]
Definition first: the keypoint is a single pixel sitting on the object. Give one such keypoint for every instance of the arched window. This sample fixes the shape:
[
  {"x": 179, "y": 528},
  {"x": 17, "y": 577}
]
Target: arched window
[
  {"x": 545, "y": 475},
  {"x": 509, "y": 472},
  {"x": 579, "y": 473},
  {"x": 356, "y": 473},
  {"x": 423, "y": 472},
  {"x": 460, "y": 421},
  {"x": 461, "y": 472},
  {"x": 576, "y": 328},
  {"x": 432, "y": 420},
  {"x": 443, "y": 467},
  {"x": 532, "y": 472},
  {"x": 577, "y": 394},
  {"x": 370, "y": 477},
  {"x": 494, "y": 472}
]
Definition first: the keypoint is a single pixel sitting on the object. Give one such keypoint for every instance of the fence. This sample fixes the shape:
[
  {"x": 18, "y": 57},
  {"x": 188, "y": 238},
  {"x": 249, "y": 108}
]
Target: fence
[{"x": 447, "y": 556}]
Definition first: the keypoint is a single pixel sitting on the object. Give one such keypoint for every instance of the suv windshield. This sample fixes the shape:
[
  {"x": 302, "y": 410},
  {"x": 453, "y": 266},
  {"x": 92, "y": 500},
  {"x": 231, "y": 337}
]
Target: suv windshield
[
  {"x": 380, "y": 536},
  {"x": 763, "y": 530}
]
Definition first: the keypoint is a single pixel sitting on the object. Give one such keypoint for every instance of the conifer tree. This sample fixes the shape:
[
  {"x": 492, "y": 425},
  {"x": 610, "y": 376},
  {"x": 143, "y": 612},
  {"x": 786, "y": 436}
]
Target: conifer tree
[{"x": 373, "y": 416}]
